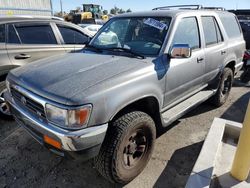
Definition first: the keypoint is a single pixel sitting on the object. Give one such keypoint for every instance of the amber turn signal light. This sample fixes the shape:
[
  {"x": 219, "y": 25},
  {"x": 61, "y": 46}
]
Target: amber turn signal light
[{"x": 52, "y": 142}]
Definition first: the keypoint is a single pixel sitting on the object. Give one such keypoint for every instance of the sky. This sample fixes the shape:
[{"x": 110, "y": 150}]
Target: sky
[{"x": 141, "y": 5}]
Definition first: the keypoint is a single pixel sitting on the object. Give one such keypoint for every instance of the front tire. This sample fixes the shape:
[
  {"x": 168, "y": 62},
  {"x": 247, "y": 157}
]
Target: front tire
[
  {"x": 4, "y": 110},
  {"x": 224, "y": 88},
  {"x": 127, "y": 147}
]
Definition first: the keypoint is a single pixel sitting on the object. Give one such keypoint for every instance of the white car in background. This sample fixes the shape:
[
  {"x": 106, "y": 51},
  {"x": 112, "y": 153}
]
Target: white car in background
[{"x": 90, "y": 29}]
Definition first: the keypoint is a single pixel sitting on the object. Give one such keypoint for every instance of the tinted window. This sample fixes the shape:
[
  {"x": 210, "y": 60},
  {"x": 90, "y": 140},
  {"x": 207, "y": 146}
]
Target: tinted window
[
  {"x": 39, "y": 34},
  {"x": 231, "y": 25},
  {"x": 187, "y": 33},
  {"x": 218, "y": 31},
  {"x": 2, "y": 33},
  {"x": 211, "y": 30},
  {"x": 12, "y": 35},
  {"x": 72, "y": 36}
]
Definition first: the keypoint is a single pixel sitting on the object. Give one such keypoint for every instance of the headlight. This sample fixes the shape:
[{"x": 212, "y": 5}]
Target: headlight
[{"x": 69, "y": 118}]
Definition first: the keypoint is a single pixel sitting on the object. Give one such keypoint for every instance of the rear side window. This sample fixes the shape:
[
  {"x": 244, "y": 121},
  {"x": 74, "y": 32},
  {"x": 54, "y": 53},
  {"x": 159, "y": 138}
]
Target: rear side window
[
  {"x": 38, "y": 34},
  {"x": 211, "y": 30},
  {"x": 2, "y": 33},
  {"x": 218, "y": 31},
  {"x": 231, "y": 25},
  {"x": 72, "y": 36},
  {"x": 12, "y": 35},
  {"x": 187, "y": 33}
]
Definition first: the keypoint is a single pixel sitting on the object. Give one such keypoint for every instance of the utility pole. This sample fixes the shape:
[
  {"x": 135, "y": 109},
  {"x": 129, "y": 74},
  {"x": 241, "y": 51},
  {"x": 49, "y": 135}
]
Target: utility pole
[
  {"x": 51, "y": 6},
  {"x": 237, "y": 4},
  {"x": 61, "y": 8}
]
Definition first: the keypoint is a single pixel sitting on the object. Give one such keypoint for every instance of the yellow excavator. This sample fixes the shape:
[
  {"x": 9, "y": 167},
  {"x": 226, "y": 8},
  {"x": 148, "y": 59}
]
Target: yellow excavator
[{"x": 89, "y": 15}]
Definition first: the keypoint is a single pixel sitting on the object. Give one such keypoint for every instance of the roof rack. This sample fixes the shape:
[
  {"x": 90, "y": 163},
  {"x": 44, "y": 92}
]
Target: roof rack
[
  {"x": 189, "y": 7},
  {"x": 178, "y": 7},
  {"x": 214, "y": 8}
]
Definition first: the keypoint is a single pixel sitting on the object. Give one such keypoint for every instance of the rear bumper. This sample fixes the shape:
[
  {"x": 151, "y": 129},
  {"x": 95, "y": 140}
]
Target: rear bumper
[{"x": 86, "y": 141}]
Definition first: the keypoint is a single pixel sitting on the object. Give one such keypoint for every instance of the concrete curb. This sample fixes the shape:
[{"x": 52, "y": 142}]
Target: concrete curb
[{"x": 203, "y": 169}]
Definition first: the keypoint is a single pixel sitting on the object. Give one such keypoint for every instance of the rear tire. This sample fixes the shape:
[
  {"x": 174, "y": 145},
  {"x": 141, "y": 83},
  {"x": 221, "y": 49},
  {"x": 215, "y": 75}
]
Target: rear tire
[
  {"x": 127, "y": 147},
  {"x": 224, "y": 88}
]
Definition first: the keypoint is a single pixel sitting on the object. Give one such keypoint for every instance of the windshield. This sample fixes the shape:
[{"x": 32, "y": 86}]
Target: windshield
[{"x": 142, "y": 35}]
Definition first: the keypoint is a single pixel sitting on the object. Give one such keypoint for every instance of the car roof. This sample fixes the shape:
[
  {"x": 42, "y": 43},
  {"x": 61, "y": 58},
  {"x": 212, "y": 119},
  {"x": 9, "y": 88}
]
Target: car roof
[
  {"x": 6, "y": 19},
  {"x": 169, "y": 13}
]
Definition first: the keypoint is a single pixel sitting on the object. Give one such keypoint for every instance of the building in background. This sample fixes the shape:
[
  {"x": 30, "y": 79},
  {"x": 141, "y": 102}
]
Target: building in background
[{"x": 26, "y": 7}]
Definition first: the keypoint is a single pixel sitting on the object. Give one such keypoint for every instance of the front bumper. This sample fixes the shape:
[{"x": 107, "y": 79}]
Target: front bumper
[{"x": 87, "y": 140}]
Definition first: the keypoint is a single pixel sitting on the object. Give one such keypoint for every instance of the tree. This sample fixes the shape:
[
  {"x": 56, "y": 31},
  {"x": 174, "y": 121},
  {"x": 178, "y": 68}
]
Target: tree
[
  {"x": 116, "y": 9},
  {"x": 105, "y": 12},
  {"x": 112, "y": 11},
  {"x": 129, "y": 10},
  {"x": 121, "y": 11}
]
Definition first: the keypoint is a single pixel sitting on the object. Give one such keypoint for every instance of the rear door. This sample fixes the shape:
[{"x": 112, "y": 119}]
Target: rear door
[
  {"x": 215, "y": 48},
  {"x": 73, "y": 39},
  {"x": 27, "y": 42},
  {"x": 185, "y": 74}
]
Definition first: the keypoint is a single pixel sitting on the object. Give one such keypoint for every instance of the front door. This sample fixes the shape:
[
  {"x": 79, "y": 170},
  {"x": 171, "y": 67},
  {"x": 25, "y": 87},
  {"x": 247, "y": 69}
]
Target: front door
[
  {"x": 28, "y": 42},
  {"x": 185, "y": 74}
]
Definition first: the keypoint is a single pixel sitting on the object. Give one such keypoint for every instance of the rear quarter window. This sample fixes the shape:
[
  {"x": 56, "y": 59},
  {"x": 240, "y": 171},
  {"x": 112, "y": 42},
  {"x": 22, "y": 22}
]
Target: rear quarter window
[{"x": 231, "y": 25}]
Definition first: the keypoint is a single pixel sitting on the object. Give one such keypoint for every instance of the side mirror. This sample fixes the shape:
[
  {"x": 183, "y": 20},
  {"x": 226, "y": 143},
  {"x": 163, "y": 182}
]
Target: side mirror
[{"x": 180, "y": 51}]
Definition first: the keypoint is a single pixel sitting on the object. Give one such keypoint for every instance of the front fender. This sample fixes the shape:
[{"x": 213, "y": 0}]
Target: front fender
[{"x": 112, "y": 97}]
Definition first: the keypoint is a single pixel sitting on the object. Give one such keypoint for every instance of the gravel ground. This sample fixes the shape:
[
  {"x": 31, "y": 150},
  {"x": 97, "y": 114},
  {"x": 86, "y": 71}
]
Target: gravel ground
[{"x": 24, "y": 163}]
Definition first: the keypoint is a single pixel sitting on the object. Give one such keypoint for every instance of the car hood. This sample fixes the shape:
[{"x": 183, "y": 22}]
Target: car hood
[{"x": 60, "y": 77}]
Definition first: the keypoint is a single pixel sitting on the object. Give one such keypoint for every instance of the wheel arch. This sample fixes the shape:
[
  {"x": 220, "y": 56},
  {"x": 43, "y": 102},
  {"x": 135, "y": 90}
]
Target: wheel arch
[
  {"x": 214, "y": 84},
  {"x": 231, "y": 64},
  {"x": 148, "y": 104}
]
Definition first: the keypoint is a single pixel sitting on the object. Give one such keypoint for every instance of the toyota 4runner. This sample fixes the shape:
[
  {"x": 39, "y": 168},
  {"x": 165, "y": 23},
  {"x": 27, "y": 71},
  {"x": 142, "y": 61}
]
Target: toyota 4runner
[{"x": 140, "y": 73}]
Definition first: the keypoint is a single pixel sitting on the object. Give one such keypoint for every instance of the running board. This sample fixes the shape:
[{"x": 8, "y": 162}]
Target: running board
[{"x": 182, "y": 108}]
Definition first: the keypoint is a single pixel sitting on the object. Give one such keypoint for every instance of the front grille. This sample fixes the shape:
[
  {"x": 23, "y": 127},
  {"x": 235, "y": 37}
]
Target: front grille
[{"x": 28, "y": 103}]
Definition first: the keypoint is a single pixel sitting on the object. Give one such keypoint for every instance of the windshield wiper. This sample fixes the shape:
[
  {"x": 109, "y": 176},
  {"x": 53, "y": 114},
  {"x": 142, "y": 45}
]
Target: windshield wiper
[
  {"x": 135, "y": 54},
  {"x": 91, "y": 47}
]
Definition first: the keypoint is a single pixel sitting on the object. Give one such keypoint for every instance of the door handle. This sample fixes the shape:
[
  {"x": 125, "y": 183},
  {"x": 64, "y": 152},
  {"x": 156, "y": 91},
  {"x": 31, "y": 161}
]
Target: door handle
[
  {"x": 223, "y": 52},
  {"x": 199, "y": 60},
  {"x": 22, "y": 56}
]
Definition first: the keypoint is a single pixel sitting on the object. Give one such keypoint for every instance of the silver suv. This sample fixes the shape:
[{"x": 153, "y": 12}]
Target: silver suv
[
  {"x": 24, "y": 39},
  {"x": 141, "y": 72}
]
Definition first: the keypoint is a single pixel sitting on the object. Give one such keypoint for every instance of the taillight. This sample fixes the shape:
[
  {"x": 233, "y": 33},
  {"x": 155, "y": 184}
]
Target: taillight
[{"x": 247, "y": 55}]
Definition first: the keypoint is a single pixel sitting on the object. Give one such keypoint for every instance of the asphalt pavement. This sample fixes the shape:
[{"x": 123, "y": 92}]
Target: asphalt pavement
[{"x": 24, "y": 163}]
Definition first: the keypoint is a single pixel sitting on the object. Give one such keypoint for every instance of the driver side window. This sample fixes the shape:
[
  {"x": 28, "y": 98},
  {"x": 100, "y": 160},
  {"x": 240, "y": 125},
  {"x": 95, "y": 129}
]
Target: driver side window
[{"x": 187, "y": 32}]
